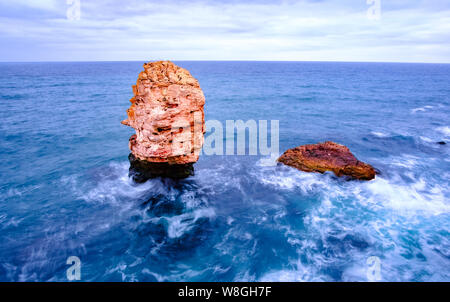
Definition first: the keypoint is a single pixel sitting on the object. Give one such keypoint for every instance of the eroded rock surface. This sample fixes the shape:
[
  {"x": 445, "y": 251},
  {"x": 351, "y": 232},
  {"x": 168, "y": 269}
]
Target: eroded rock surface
[
  {"x": 167, "y": 113},
  {"x": 327, "y": 156}
]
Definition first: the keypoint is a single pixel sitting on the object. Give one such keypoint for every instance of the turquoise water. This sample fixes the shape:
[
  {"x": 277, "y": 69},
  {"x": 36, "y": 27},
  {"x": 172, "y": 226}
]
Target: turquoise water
[{"x": 64, "y": 189}]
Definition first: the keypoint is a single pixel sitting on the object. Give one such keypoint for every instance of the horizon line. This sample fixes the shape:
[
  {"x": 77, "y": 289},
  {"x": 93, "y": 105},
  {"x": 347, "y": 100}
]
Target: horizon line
[{"x": 287, "y": 61}]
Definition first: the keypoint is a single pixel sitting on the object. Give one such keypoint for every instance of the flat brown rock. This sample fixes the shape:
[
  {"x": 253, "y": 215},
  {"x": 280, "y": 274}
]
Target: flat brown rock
[{"x": 327, "y": 156}]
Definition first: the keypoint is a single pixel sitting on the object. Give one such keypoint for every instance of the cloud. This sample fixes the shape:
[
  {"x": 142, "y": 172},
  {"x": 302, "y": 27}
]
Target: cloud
[{"x": 415, "y": 31}]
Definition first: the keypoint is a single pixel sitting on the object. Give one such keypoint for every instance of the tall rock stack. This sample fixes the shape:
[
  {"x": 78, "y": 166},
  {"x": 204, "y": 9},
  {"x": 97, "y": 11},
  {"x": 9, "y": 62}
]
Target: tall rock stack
[{"x": 167, "y": 113}]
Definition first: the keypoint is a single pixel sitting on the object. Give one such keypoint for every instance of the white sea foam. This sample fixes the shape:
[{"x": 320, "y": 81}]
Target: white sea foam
[
  {"x": 426, "y": 139},
  {"x": 6, "y": 221},
  {"x": 287, "y": 178},
  {"x": 20, "y": 191},
  {"x": 419, "y": 197},
  {"x": 405, "y": 161},
  {"x": 445, "y": 130},
  {"x": 270, "y": 161},
  {"x": 181, "y": 273},
  {"x": 181, "y": 224},
  {"x": 379, "y": 134},
  {"x": 220, "y": 178},
  {"x": 299, "y": 273},
  {"x": 289, "y": 276},
  {"x": 114, "y": 189},
  {"x": 422, "y": 109}
]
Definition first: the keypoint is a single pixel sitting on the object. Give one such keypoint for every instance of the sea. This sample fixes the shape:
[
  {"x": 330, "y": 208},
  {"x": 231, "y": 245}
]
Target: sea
[{"x": 65, "y": 190}]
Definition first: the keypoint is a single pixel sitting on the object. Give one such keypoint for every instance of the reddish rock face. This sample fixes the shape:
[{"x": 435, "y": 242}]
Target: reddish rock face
[
  {"x": 327, "y": 156},
  {"x": 167, "y": 114}
]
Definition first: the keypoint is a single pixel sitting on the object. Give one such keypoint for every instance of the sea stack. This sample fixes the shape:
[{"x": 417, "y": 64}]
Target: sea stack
[
  {"x": 327, "y": 156},
  {"x": 167, "y": 113}
]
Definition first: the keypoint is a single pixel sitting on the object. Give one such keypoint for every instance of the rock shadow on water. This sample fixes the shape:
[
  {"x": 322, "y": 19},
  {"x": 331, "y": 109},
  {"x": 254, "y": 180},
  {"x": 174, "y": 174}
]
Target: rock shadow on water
[{"x": 141, "y": 171}]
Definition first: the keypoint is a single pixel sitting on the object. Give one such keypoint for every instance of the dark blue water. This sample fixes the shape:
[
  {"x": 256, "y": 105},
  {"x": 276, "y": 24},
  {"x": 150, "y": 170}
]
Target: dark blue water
[{"x": 64, "y": 189}]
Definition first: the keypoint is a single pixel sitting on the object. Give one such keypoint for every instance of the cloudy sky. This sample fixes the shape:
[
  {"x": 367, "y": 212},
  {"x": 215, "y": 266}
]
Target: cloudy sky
[{"x": 308, "y": 30}]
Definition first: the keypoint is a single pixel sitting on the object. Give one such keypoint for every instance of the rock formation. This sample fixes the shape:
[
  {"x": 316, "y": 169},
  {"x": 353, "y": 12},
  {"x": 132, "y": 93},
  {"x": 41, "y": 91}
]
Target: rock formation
[
  {"x": 328, "y": 156},
  {"x": 167, "y": 113}
]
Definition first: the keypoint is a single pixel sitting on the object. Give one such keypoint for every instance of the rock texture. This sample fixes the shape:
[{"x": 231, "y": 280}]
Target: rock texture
[
  {"x": 328, "y": 156},
  {"x": 167, "y": 113}
]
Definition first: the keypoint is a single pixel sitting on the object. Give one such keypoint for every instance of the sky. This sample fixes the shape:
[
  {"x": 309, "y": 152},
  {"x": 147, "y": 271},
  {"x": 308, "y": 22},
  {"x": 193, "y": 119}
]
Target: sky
[{"x": 303, "y": 30}]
